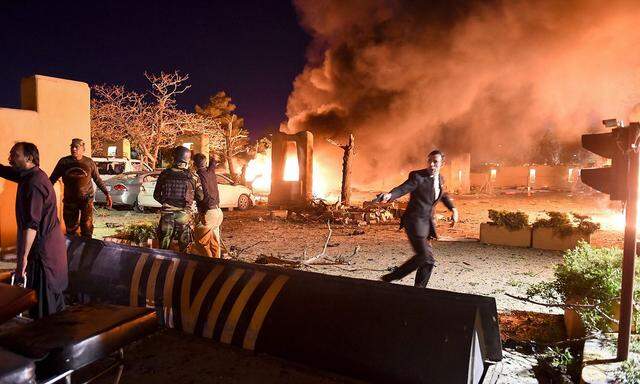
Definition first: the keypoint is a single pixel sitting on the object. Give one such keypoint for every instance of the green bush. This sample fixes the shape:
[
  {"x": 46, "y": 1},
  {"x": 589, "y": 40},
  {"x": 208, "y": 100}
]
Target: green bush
[
  {"x": 512, "y": 220},
  {"x": 564, "y": 225},
  {"x": 587, "y": 275},
  {"x": 138, "y": 233}
]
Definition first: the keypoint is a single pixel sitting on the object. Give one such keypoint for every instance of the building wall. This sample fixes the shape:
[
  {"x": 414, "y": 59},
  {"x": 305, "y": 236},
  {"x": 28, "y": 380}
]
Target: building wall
[
  {"x": 562, "y": 177},
  {"x": 54, "y": 111},
  {"x": 456, "y": 173},
  {"x": 123, "y": 149}
]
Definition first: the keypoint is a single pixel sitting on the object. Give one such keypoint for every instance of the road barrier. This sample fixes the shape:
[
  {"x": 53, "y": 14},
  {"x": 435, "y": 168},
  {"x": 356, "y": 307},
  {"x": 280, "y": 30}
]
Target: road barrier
[{"x": 369, "y": 330}]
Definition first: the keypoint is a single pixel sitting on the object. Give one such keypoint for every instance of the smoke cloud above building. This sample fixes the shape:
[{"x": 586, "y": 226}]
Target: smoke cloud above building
[{"x": 490, "y": 78}]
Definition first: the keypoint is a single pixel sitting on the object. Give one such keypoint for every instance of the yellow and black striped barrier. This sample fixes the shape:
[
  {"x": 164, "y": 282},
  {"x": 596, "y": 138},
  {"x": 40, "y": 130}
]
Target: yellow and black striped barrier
[{"x": 365, "y": 329}]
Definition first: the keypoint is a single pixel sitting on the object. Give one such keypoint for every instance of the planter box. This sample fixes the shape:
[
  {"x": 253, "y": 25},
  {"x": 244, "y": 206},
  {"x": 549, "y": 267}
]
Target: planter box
[
  {"x": 546, "y": 238},
  {"x": 495, "y": 234},
  {"x": 575, "y": 326}
]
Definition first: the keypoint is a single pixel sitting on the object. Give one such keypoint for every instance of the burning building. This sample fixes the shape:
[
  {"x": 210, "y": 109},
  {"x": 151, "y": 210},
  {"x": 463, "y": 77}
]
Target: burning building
[{"x": 291, "y": 169}]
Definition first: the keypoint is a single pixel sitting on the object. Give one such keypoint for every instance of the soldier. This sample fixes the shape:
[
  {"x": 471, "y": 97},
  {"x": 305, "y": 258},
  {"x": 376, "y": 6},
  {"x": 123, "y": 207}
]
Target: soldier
[
  {"x": 176, "y": 189},
  {"x": 77, "y": 171}
]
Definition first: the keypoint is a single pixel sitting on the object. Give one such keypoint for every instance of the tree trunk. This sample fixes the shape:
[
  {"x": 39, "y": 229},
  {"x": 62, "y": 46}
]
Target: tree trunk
[
  {"x": 229, "y": 151},
  {"x": 345, "y": 193}
]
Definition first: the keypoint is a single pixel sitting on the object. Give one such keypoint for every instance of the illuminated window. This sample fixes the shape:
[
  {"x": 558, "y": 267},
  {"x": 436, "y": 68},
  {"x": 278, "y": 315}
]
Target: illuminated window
[
  {"x": 493, "y": 174},
  {"x": 532, "y": 176},
  {"x": 112, "y": 150},
  {"x": 189, "y": 146}
]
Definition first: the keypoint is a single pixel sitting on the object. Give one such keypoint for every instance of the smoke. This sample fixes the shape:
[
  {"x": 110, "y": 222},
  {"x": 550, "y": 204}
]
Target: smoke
[{"x": 490, "y": 78}]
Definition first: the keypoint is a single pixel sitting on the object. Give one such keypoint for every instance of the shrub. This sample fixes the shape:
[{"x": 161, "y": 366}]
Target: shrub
[
  {"x": 564, "y": 225},
  {"x": 512, "y": 220},
  {"x": 138, "y": 233},
  {"x": 587, "y": 275}
]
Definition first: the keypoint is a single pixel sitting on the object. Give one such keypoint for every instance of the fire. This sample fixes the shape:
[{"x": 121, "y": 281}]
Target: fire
[
  {"x": 291, "y": 168},
  {"x": 258, "y": 172}
]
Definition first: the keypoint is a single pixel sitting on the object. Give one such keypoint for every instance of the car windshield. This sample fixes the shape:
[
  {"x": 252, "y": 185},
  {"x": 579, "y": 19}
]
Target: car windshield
[
  {"x": 223, "y": 180},
  {"x": 110, "y": 168}
]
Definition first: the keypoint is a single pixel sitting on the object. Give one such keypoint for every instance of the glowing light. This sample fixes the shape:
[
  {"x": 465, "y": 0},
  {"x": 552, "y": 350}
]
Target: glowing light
[
  {"x": 570, "y": 178},
  {"x": 532, "y": 176},
  {"x": 493, "y": 174},
  {"x": 111, "y": 151},
  {"x": 459, "y": 175},
  {"x": 258, "y": 172},
  {"x": 291, "y": 167}
]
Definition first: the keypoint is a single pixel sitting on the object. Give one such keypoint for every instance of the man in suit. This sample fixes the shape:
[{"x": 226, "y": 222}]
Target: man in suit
[{"x": 426, "y": 188}]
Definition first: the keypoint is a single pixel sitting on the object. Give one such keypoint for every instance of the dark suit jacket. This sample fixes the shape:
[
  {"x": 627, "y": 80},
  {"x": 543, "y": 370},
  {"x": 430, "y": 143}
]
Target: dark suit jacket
[{"x": 418, "y": 218}]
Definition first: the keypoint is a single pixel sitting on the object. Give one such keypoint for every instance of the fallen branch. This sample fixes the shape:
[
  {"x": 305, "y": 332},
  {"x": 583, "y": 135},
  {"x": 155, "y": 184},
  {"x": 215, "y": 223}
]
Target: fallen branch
[
  {"x": 270, "y": 259},
  {"x": 595, "y": 307},
  {"x": 324, "y": 249}
]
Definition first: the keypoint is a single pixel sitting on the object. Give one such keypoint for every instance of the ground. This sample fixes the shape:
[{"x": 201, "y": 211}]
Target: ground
[{"x": 463, "y": 265}]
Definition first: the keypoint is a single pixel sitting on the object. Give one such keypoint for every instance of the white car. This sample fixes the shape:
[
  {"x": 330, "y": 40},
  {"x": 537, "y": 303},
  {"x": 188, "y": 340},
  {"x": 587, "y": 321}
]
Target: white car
[
  {"x": 232, "y": 195},
  {"x": 108, "y": 167}
]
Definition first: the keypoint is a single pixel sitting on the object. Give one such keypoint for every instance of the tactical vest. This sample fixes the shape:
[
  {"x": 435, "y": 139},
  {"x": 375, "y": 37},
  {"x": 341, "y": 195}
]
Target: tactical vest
[{"x": 177, "y": 187}]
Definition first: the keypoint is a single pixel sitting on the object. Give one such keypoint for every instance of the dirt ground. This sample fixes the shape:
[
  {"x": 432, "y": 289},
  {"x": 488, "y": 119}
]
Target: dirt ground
[{"x": 462, "y": 263}]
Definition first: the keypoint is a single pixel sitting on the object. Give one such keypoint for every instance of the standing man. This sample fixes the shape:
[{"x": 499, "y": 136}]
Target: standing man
[
  {"x": 206, "y": 240},
  {"x": 426, "y": 187},
  {"x": 176, "y": 189},
  {"x": 77, "y": 172},
  {"x": 42, "y": 254}
]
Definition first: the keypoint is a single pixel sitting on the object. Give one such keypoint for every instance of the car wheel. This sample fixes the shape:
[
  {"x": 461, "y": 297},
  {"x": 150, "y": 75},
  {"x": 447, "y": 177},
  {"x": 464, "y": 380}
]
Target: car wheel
[
  {"x": 137, "y": 207},
  {"x": 244, "y": 202}
]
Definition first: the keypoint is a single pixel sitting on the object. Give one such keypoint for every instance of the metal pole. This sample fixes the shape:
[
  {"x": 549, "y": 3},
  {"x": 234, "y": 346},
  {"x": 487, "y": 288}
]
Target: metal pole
[{"x": 629, "y": 258}]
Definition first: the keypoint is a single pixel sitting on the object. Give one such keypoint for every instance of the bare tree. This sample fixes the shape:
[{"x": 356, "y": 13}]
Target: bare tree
[
  {"x": 165, "y": 121},
  {"x": 115, "y": 112},
  {"x": 150, "y": 121}
]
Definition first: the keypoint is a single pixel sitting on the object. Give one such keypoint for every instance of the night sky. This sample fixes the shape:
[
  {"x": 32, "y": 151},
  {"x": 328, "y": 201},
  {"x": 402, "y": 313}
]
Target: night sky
[{"x": 251, "y": 49}]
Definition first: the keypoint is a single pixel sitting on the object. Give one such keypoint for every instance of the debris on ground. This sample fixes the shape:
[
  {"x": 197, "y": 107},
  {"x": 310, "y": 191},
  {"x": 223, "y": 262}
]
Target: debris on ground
[{"x": 318, "y": 210}]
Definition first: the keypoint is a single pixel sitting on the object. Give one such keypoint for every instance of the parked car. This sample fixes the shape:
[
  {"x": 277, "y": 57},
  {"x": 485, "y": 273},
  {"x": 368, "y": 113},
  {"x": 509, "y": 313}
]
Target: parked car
[
  {"x": 111, "y": 166},
  {"x": 232, "y": 195},
  {"x": 124, "y": 188}
]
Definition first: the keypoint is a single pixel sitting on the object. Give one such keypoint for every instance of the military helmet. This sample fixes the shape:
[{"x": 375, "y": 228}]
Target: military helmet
[{"x": 181, "y": 154}]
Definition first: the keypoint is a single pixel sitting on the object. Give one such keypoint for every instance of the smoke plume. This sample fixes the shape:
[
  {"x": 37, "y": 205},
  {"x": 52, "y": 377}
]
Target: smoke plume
[{"x": 490, "y": 78}]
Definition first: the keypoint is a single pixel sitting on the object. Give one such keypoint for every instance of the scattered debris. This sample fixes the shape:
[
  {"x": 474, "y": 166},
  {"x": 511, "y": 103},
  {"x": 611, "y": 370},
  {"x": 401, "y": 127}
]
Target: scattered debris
[{"x": 370, "y": 213}]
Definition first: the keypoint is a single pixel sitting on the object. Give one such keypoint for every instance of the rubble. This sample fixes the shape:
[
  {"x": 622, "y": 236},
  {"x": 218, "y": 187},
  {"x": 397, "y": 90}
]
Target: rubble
[{"x": 318, "y": 210}]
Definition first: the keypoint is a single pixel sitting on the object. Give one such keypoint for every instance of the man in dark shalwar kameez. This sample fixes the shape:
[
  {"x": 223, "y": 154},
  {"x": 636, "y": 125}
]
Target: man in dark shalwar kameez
[{"x": 42, "y": 255}]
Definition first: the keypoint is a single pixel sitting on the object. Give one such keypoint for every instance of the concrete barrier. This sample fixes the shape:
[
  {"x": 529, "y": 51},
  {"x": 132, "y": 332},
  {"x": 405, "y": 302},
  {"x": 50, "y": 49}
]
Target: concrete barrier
[{"x": 365, "y": 329}]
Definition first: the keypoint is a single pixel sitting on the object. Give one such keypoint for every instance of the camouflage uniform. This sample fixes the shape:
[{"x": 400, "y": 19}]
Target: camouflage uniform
[{"x": 176, "y": 189}]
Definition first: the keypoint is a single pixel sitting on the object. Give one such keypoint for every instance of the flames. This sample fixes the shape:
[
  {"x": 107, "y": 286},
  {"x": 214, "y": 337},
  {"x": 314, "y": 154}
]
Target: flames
[
  {"x": 291, "y": 168},
  {"x": 258, "y": 174}
]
